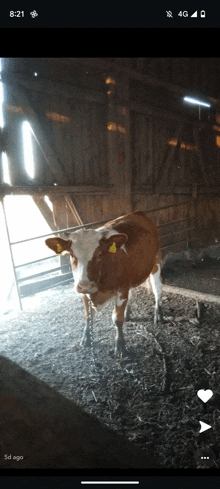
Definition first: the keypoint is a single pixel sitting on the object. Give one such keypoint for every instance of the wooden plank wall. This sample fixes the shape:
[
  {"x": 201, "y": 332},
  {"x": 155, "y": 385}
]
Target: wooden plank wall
[
  {"x": 80, "y": 130},
  {"x": 190, "y": 73}
]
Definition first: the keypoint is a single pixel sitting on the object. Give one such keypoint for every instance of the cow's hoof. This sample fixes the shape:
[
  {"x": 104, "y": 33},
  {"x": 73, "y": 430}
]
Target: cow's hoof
[
  {"x": 158, "y": 316},
  {"x": 122, "y": 353},
  {"x": 127, "y": 313},
  {"x": 120, "y": 348}
]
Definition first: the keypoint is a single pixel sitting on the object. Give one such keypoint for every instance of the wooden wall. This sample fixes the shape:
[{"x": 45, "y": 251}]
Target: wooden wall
[
  {"x": 200, "y": 74},
  {"x": 107, "y": 145}
]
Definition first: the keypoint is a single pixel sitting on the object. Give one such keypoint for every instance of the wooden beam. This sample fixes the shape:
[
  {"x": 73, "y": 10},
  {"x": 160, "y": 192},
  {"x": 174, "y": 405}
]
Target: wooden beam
[
  {"x": 72, "y": 91},
  {"x": 52, "y": 190},
  {"x": 111, "y": 67},
  {"x": 73, "y": 209},
  {"x": 192, "y": 294},
  {"x": 67, "y": 90},
  {"x": 45, "y": 210}
]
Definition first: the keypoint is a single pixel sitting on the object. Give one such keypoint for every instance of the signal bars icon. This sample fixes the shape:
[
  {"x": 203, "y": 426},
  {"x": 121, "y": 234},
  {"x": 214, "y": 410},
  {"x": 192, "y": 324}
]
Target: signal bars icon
[{"x": 202, "y": 13}]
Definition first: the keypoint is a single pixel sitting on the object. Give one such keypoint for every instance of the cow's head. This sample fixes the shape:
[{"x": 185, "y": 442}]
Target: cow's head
[{"x": 89, "y": 251}]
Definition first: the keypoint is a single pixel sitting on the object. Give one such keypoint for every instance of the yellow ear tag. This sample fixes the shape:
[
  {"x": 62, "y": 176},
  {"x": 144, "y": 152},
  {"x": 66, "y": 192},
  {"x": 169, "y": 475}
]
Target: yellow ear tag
[
  {"x": 112, "y": 248},
  {"x": 59, "y": 248}
]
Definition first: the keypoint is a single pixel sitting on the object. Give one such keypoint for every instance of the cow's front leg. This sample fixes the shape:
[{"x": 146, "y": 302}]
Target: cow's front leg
[
  {"x": 86, "y": 339},
  {"x": 118, "y": 321}
]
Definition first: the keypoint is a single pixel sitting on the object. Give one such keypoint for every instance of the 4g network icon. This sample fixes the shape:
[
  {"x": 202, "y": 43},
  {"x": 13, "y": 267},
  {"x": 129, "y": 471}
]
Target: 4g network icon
[{"x": 184, "y": 13}]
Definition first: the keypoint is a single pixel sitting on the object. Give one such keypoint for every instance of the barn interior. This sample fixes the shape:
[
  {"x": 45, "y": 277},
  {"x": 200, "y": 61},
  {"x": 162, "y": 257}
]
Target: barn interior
[{"x": 84, "y": 141}]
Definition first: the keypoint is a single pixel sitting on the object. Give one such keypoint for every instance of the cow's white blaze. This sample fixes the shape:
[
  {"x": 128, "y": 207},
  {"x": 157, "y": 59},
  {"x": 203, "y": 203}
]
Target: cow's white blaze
[{"x": 84, "y": 244}]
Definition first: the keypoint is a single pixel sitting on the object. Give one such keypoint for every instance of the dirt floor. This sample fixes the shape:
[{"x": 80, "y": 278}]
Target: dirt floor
[
  {"x": 149, "y": 396},
  {"x": 200, "y": 275}
]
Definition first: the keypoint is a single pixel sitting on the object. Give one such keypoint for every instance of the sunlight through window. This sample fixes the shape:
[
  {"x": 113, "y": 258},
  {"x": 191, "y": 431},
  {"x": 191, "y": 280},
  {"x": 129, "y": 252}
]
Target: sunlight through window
[
  {"x": 6, "y": 175},
  {"x": 1, "y": 105},
  {"x": 48, "y": 202},
  {"x": 4, "y": 158},
  {"x": 28, "y": 149}
]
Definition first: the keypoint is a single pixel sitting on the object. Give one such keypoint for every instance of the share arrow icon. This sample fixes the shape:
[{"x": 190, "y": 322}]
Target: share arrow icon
[{"x": 204, "y": 426}]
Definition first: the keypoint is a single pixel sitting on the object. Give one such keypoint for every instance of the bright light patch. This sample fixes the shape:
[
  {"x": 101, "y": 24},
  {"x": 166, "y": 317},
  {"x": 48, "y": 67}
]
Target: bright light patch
[
  {"x": 6, "y": 175},
  {"x": 217, "y": 140},
  {"x": 48, "y": 202},
  {"x": 110, "y": 79},
  {"x": 112, "y": 126},
  {"x": 196, "y": 101},
  {"x": 24, "y": 221},
  {"x": 28, "y": 150},
  {"x": 1, "y": 105}
]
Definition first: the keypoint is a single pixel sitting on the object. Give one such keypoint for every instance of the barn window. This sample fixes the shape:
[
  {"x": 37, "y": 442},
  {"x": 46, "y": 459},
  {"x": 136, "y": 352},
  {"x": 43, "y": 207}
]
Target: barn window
[{"x": 28, "y": 149}]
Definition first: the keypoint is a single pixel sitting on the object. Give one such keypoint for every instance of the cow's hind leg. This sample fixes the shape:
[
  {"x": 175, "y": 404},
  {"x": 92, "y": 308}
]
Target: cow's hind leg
[
  {"x": 155, "y": 278},
  {"x": 128, "y": 310},
  {"x": 118, "y": 321},
  {"x": 86, "y": 339}
]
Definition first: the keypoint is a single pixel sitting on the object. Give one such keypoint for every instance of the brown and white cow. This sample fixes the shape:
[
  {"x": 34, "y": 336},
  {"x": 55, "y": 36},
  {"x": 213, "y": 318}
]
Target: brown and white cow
[{"x": 109, "y": 261}]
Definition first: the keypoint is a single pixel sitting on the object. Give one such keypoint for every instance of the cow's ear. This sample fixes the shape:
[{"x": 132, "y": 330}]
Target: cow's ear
[
  {"x": 58, "y": 244},
  {"x": 116, "y": 241}
]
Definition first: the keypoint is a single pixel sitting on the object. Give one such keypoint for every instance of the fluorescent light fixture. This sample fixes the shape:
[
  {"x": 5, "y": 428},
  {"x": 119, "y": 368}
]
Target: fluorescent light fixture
[{"x": 196, "y": 101}]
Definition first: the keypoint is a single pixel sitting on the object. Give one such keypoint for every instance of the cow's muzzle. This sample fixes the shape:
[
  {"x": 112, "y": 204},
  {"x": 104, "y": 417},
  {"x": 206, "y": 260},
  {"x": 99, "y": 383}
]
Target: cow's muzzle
[{"x": 86, "y": 287}]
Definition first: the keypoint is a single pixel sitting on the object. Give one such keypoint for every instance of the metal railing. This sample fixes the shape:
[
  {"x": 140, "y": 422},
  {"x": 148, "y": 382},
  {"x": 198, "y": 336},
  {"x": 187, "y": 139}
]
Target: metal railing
[
  {"x": 15, "y": 267},
  {"x": 67, "y": 230}
]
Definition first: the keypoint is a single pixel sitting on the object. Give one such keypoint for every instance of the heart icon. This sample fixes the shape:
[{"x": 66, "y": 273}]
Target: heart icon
[{"x": 205, "y": 395}]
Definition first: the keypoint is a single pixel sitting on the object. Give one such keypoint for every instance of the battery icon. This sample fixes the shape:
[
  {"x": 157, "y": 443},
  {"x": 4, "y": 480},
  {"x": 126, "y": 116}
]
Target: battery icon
[{"x": 202, "y": 13}]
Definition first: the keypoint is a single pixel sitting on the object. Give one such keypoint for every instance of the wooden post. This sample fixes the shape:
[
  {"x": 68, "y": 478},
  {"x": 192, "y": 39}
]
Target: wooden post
[
  {"x": 11, "y": 253},
  {"x": 127, "y": 144},
  {"x": 119, "y": 139}
]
